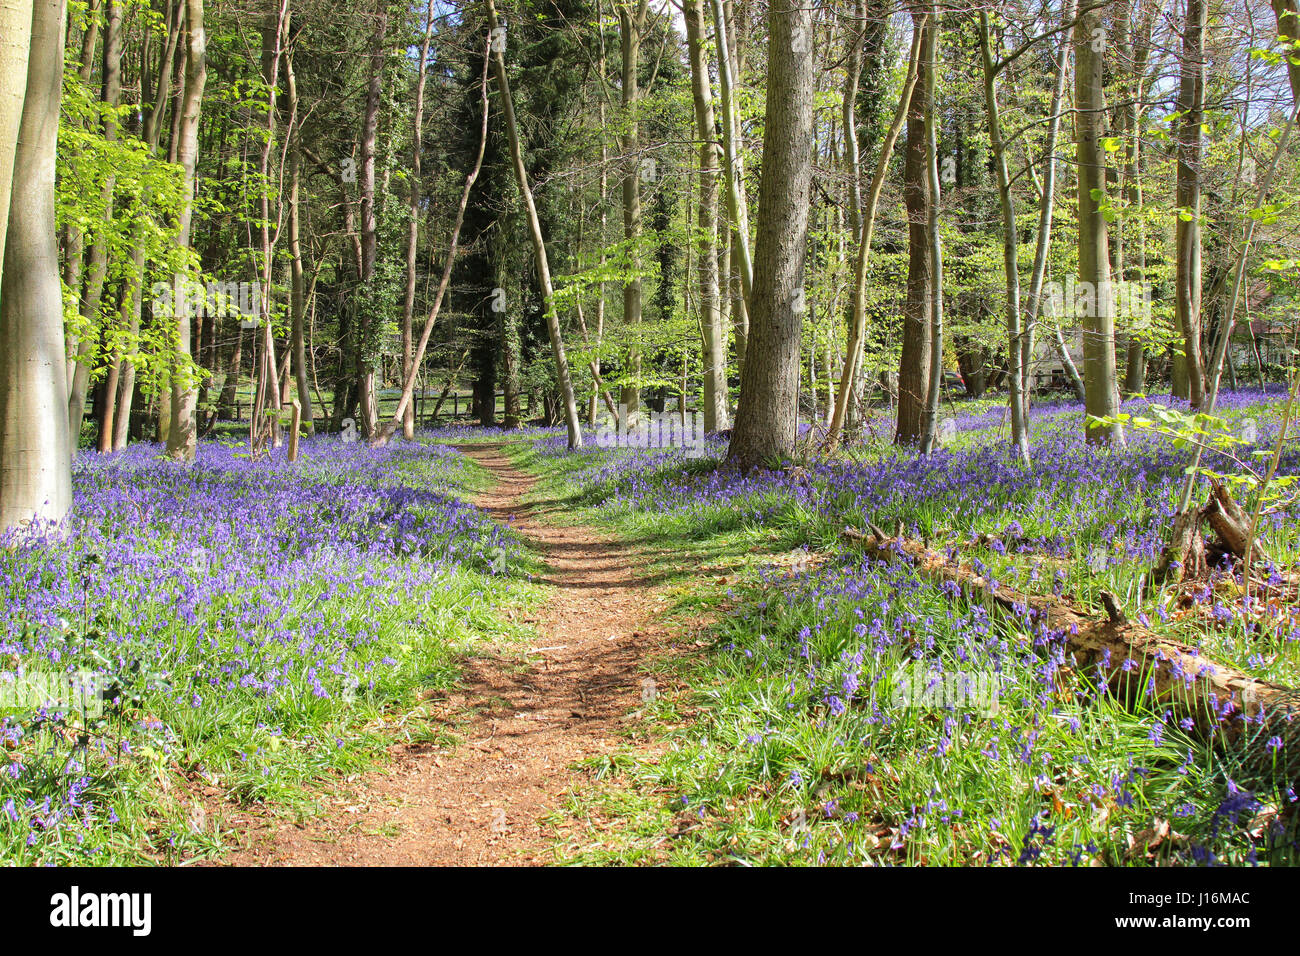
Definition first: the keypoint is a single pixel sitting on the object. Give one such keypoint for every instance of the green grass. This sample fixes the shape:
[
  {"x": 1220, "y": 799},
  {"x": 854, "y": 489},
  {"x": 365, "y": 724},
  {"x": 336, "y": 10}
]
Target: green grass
[
  {"x": 165, "y": 778},
  {"x": 740, "y": 762}
]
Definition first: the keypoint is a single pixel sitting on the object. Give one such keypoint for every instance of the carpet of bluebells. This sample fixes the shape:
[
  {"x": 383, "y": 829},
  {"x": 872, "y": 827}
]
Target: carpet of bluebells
[
  {"x": 810, "y": 748},
  {"x": 247, "y": 623}
]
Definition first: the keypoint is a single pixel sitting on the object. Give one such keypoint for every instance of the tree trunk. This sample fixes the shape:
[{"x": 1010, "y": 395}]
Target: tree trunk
[
  {"x": 413, "y": 225},
  {"x": 711, "y": 328},
  {"x": 539, "y": 244},
  {"x": 853, "y": 356},
  {"x": 182, "y": 438},
  {"x": 767, "y": 417},
  {"x": 15, "y": 47},
  {"x": 1035, "y": 305},
  {"x": 1187, "y": 229},
  {"x": 935, "y": 249},
  {"x": 1094, "y": 253},
  {"x": 35, "y": 446},
  {"x": 631, "y": 24},
  {"x": 96, "y": 265},
  {"x": 297, "y": 283},
  {"x": 151, "y": 134},
  {"x": 1016, "y": 368},
  {"x": 369, "y": 410},
  {"x": 914, "y": 363},
  {"x": 407, "y": 398},
  {"x": 740, "y": 259}
]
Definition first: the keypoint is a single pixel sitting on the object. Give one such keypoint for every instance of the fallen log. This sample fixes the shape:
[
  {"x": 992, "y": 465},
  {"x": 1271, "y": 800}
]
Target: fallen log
[{"x": 1132, "y": 661}]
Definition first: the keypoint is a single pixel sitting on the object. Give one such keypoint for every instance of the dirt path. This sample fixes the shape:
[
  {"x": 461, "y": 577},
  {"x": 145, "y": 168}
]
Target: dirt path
[{"x": 482, "y": 802}]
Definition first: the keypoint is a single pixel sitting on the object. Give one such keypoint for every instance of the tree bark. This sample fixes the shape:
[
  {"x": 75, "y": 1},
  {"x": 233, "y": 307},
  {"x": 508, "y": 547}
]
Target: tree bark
[
  {"x": 35, "y": 446},
  {"x": 1016, "y": 368},
  {"x": 711, "y": 328},
  {"x": 1034, "y": 306},
  {"x": 631, "y": 23},
  {"x": 914, "y": 363},
  {"x": 767, "y": 417},
  {"x": 369, "y": 409},
  {"x": 1094, "y": 253},
  {"x": 182, "y": 436},
  {"x": 740, "y": 258},
  {"x": 406, "y": 400},
  {"x": 1187, "y": 228},
  {"x": 934, "y": 247},
  {"x": 297, "y": 283},
  {"x": 15, "y": 48}
]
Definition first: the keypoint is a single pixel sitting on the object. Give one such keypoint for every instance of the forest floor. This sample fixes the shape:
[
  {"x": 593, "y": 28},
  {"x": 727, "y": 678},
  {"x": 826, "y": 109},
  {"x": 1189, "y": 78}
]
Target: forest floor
[{"x": 524, "y": 721}]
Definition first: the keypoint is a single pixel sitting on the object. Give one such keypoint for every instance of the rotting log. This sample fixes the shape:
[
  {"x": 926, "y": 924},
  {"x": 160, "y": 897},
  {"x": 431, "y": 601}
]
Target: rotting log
[{"x": 1131, "y": 660}]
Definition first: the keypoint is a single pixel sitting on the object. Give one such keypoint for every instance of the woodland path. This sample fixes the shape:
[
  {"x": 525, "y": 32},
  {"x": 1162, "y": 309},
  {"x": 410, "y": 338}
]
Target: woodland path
[{"x": 522, "y": 724}]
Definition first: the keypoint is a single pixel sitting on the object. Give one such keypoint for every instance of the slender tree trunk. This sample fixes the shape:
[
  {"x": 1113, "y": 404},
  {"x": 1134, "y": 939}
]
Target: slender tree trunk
[
  {"x": 1136, "y": 359},
  {"x": 539, "y": 245},
  {"x": 182, "y": 437},
  {"x": 35, "y": 446},
  {"x": 740, "y": 259},
  {"x": 383, "y": 434},
  {"x": 1094, "y": 247},
  {"x": 934, "y": 247},
  {"x": 711, "y": 329},
  {"x": 767, "y": 417},
  {"x": 914, "y": 363},
  {"x": 1187, "y": 228},
  {"x": 853, "y": 355},
  {"x": 1034, "y": 306},
  {"x": 297, "y": 282},
  {"x": 97, "y": 258},
  {"x": 151, "y": 133},
  {"x": 1016, "y": 368},
  {"x": 369, "y": 409},
  {"x": 631, "y": 22},
  {"x": 413, "y": 226}
]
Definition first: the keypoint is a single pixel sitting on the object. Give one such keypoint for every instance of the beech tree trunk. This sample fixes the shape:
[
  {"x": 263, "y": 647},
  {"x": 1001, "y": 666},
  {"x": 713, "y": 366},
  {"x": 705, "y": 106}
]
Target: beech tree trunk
[
  {"x": 15, "y": 47},
  {"x": 1102, "y": 398},
  {"x": 182, "y": 436},
  {"x": 1189, "y": 378},
  {"x": 35, "y": 447},
  {"x": 767, "y": 417}
]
